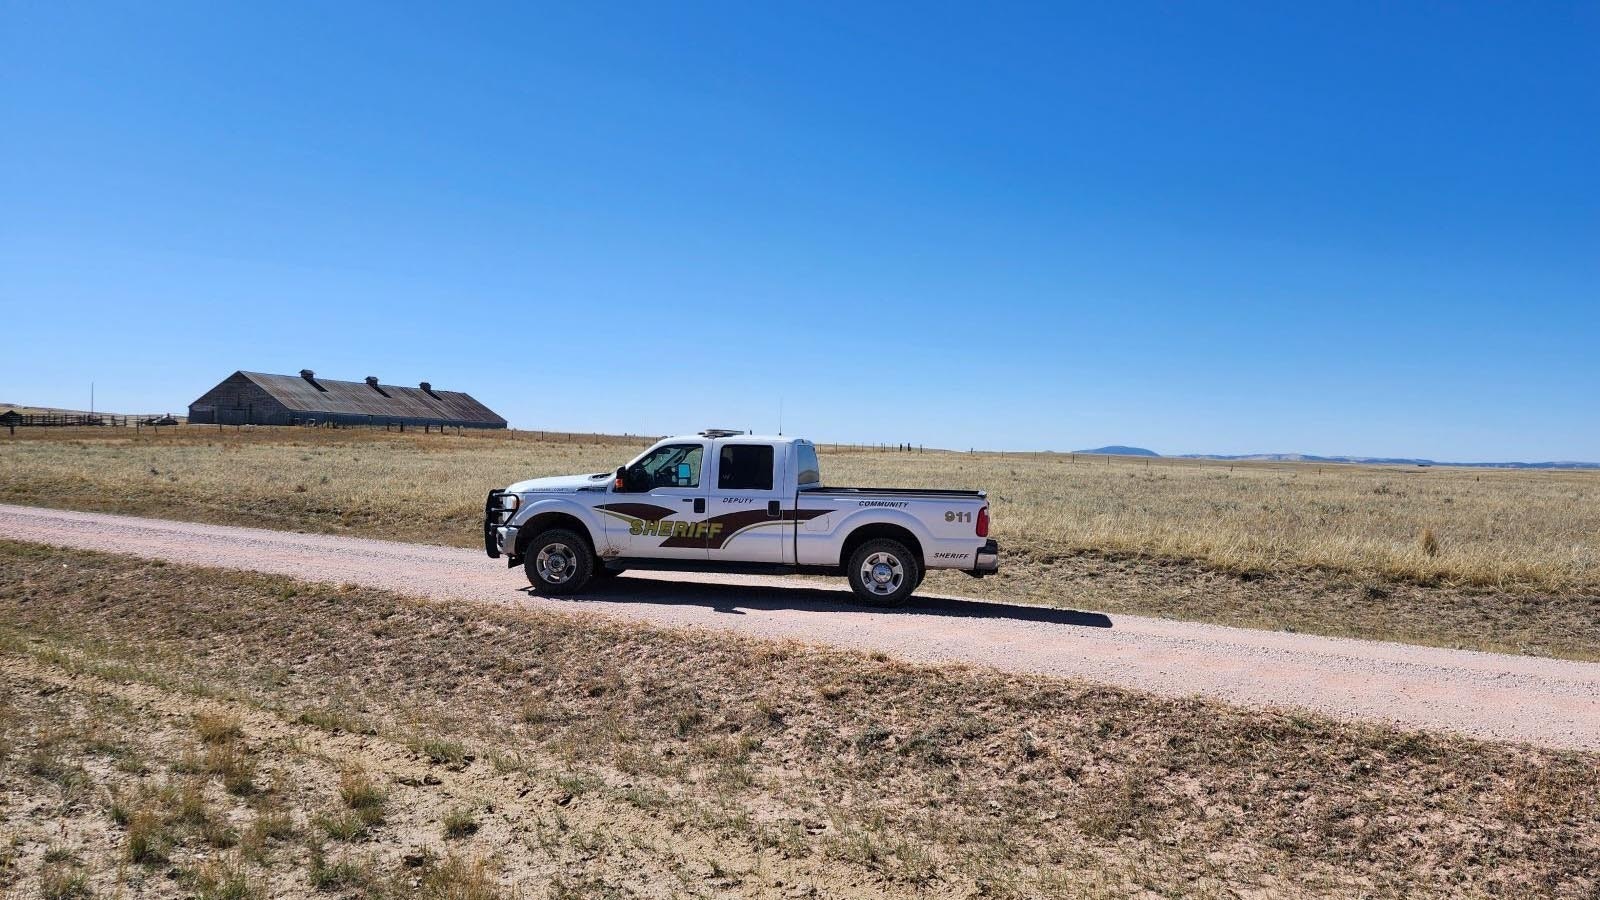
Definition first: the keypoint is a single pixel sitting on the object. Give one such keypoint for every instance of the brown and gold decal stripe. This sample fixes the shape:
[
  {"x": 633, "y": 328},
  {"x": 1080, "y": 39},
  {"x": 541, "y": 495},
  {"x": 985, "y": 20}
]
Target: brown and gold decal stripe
[
  {"x": 636, "y": 510},
  {"x": 724, "y": 527}
]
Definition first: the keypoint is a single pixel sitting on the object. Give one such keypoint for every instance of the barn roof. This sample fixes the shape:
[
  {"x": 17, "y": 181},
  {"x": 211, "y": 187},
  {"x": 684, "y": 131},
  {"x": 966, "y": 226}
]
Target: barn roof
[{"x": 325, "y": 395}]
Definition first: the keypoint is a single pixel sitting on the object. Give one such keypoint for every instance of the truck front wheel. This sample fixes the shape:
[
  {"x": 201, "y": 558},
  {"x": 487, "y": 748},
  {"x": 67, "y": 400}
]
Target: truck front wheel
[
  {"x": 884, "y": 572},
  {"x": 558, "y": 561}
]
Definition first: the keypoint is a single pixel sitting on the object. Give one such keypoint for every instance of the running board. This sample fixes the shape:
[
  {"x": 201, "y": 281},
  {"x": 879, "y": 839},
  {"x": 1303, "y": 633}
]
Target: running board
[{"x": 619, "y": 563}]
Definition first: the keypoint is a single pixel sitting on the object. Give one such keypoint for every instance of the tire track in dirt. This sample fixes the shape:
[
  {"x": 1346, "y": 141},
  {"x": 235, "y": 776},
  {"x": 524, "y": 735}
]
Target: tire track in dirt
[{"x": 1550, "y": 702}]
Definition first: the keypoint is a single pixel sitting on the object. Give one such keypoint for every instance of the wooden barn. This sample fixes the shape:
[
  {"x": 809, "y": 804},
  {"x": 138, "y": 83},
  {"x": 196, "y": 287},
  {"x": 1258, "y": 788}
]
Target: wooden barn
[{"x": 252, "y": 398}]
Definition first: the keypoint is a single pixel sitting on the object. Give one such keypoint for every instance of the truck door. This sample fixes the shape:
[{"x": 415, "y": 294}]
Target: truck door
[
  {"x": 662, "y": 512},
  {"x": 747, "y": 521}
]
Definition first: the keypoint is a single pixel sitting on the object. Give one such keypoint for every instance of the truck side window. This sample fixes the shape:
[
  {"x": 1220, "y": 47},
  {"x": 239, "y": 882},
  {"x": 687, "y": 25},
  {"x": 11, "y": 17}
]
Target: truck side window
[
  {"x": 810, "y": 472},
  {"x": 675, "y": 465},
  {"x": 745, "y": 467}
]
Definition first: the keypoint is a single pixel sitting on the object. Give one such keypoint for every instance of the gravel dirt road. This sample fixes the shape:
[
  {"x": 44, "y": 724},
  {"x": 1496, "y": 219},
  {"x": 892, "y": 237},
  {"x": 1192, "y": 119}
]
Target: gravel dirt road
[{"x": 1543, "y": 701}]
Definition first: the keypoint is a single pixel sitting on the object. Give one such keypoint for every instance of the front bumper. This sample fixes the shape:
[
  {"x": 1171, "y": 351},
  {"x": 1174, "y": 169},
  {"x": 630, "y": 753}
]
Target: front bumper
[
  {"x": 988, "y": 559},
  {"x": 499, "y": 538}
]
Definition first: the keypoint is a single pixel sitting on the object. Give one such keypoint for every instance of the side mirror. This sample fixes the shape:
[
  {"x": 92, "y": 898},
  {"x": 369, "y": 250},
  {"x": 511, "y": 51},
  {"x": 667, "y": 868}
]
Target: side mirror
[
  {"x": 685, "y": 473},
  {"x": 622, "y": 475}
]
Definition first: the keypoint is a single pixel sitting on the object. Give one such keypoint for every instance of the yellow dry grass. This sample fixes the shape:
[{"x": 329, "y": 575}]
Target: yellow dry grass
[
  {"x": 1508, "y": 529},
  {"x": 413, "y": 487},
  {"x": 1502, "y": 529}
]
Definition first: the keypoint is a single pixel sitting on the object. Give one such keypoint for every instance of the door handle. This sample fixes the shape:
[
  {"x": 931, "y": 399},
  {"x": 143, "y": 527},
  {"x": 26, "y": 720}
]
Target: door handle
[
  {"x": 774, "y": 509},
  {"x": 699, "y": 503}
]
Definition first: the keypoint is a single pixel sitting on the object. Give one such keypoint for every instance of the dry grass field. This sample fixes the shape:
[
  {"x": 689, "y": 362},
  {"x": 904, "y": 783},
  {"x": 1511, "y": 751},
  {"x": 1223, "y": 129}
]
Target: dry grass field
[
  {"x": 172, "y": 732},
  {"x": 1488, "y": 559}
]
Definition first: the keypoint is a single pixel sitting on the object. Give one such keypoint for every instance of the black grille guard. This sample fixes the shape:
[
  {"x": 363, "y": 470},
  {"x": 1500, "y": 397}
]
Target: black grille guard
[{"x": 491, "y": 520}]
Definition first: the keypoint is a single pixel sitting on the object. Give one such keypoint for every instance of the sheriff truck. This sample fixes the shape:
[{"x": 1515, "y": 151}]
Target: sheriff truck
[{"x": 725, "y": 501}]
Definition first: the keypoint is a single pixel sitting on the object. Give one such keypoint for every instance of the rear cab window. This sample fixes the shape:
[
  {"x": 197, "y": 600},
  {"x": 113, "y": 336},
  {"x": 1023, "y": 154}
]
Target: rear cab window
[{"x": 745, "y": 467}]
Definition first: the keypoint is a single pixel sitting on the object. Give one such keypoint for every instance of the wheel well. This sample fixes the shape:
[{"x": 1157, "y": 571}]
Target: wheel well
[
  {"x": 543, "y": 522},
  {"x": 880, "y": 530}
]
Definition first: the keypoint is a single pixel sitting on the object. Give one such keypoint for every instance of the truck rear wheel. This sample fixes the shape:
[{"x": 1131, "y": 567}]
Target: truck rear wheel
[
  {"x": 884, "y": 572},
  {"x": 558, "y": 561}
]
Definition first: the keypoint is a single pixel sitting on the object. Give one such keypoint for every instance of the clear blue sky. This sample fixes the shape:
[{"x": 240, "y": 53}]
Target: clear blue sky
[{"x": 1361, "y": 228}]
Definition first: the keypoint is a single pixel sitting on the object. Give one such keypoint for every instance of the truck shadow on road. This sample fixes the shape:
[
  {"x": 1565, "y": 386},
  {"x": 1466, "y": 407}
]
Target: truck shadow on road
[{"x": 738, "y": 599}]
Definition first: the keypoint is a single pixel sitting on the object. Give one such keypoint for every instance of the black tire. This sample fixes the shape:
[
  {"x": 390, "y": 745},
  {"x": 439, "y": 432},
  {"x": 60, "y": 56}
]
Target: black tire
[
  {"x": 884, "y": 572},
  {"x": 566, "y": 569}
]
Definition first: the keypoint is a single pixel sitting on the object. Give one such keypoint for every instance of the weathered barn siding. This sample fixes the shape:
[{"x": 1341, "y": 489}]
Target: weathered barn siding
[
  {"x": 245, "y": 398},
  {"x": 238, "y": 401}
]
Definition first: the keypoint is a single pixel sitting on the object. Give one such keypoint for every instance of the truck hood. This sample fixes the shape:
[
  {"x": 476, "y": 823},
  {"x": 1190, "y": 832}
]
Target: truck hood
[{"x": 562, "y": 484}]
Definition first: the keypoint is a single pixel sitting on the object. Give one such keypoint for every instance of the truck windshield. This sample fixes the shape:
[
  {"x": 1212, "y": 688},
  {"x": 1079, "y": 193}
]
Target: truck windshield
[
  {"x": 675, "y": 465},
  {"x": 809, "y": 471}
]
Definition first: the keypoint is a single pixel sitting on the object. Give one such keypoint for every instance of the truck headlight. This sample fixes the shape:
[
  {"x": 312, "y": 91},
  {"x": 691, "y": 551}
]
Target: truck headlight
[{"x": 510, "y": 502}]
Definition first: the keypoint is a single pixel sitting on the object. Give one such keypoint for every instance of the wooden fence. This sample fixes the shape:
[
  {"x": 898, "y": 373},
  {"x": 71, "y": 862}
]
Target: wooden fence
[{"x": 12, "y": 420}]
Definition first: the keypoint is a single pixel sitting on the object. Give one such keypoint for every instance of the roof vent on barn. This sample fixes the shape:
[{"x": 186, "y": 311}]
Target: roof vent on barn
[
  {"x": 311, "y": 376},
  {"x": 428, "y": 389},
  {"x": 372, "y": 382}
]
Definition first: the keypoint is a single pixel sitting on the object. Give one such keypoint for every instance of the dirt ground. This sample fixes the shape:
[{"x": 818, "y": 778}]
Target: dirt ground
[
  {"x": 177, "y": 731},
  {"x": 1549, "y": 702}
]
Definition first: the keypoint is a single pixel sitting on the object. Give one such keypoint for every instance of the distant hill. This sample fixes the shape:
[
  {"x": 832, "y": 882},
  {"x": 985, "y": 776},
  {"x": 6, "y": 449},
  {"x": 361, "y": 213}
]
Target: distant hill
[
  {"x": 1120, "y": 450},
  {"x": 1388, "y": 461},
  {"x": 26, "y": 410},
  {"x": 41, "y": 410},
  {"x": 1124, "y": 450}
]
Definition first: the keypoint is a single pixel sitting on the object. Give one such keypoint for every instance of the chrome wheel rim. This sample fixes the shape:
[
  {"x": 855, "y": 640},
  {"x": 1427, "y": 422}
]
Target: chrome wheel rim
[
  {"x": 556, "y": 563},
  {"x": 882, "y": 573}
]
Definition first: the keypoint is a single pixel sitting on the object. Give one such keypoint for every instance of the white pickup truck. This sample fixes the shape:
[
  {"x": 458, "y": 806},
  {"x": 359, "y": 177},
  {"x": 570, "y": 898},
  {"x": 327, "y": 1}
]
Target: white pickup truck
[{"x": 724, "y": 501}]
